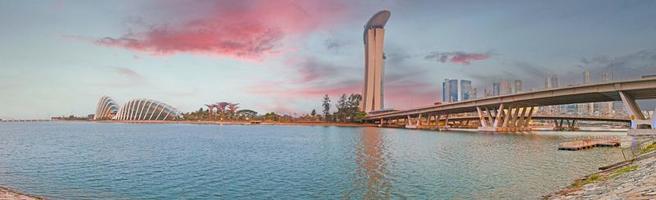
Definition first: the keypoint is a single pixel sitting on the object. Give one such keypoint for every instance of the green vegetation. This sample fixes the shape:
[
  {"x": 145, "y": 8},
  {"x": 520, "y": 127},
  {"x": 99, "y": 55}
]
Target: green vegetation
[
  {"x": 649, "y": 148},
  {"x": 623, "y": 170},
  {"x": 594, "y": 178},
  {"x": 590, "y": 179},
  {"x": 348, "y": 109}
]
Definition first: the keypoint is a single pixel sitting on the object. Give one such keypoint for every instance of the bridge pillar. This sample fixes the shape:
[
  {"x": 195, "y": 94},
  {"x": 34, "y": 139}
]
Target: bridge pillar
[
  {"x": 638, "y": 119},
  {"x": 520, "y": 118},
  {"x": 498, "y": 117},
  {"x": 408, "y": 122},
  {"x": 527, "y": 123},
  {"x": 481, "y": 117},
  {"x": 488, "y": 116},
  {"x": 506, "y": 117},
  {"x": 631, "y": 106}
]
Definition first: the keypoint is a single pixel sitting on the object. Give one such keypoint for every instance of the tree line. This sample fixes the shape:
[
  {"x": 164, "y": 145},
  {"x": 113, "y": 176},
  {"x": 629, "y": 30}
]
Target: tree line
[{"x": 348, "y": 109}]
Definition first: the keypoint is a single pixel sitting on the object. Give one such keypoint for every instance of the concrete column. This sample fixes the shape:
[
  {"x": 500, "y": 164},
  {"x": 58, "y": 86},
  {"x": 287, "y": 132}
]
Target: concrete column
[
  {"x": 408, "y": 122},
  {"x": 489, "y": 116},
  {"x": 506, "y": 116},
  {"x": 437, "y": 120},
  {"x": 446, "y": 121},
  {"x": 511, "y": 119},
  {"x": 498, "y": 117},
  {"x": 481, "y": 117},
  {"x": 520, "y": 121},
  {"x": 631, "y": 106},
  {"x": 527, "y": 123}
]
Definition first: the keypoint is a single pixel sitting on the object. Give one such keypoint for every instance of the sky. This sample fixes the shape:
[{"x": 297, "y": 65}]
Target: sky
[{"x": 59, "y": 57}]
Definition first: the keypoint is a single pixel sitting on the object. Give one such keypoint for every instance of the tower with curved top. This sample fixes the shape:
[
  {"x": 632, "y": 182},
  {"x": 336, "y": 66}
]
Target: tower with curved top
[{"x": 374, "y": 58}]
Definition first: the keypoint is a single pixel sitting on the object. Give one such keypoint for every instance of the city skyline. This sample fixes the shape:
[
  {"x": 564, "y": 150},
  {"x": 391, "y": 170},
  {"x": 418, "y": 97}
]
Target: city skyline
[{"x": 277, "y": 57}]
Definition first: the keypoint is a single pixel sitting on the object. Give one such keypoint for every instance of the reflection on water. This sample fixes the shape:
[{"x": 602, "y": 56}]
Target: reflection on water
[
  {"x": 371, "y": 164},
  {"x": 164, "y": 161}
]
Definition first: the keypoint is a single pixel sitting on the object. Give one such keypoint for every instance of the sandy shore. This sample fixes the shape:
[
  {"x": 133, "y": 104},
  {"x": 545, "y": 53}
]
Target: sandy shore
[
  {"x": 301, "y": 123},
  {"x": 628, "y": 180},
  {"x": 9, "y": 194}
]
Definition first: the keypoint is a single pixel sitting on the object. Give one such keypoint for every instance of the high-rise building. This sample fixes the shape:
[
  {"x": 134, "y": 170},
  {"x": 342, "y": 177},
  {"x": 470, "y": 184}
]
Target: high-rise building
[
  {"x": 586, "y": 77},
  {"x": 374, "y": 34},
  {"x": 586, "y": 108},
  {"x": 517, "y": 87},
  {"x": 450, "y": 90},
  {"x": 506, "y": 87},
  {"x": 551, "y": 81},
  {"x": 454, "y": 90},
  {"x": 487, "y": 92},
  {"x": 496, "y": 89},
  {"x": 465, "y": 90}
]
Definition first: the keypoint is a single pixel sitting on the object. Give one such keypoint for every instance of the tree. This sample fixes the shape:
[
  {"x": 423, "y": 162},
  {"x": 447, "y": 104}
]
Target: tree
[
  {"x": 326, "y": 106},
  {"x": 354, "y": 107},
  {"x": 313, "y": 113},
  {"x": 342, "y": 108}
]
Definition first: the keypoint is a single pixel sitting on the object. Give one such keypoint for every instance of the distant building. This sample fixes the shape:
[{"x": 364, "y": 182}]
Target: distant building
[
  {"x": 551, "y": 81},
  {"x": 586, "y": 108},
  {"x": 487, "y": 92},
  {"x": 496, "y": 89},
  {"x": 105, "y": 109},
  {"x": 517, "y": 87},
  {"x": 586, "y": 77},
  {"x": 454, "y": 90},
  {"x": 465, "y": 90},
  {"x": 450, "y": 90},
  {"x": 506, "y": 87},
  {"x": 134, "y": 110}
]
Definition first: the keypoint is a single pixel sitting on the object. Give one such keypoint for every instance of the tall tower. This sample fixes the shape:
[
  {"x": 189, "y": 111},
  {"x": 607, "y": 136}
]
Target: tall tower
[{"x": 374, "y": 33}]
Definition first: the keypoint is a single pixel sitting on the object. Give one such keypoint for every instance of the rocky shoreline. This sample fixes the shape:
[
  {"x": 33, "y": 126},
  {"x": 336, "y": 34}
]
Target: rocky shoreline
[
  {"x": 630, "y": 180},
  {"x": 9, "y": 194}
]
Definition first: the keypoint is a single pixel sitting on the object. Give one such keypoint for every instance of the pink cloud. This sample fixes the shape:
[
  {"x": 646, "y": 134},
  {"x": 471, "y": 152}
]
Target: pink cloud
[
  {"x": 457, "y": 57},
  {"x": 238, "y": 29},
  {"x": 468, "y": 58}
]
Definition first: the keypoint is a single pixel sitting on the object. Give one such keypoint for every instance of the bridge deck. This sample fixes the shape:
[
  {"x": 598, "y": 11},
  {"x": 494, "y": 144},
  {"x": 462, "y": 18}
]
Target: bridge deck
[{"x": 599, "y": 92}]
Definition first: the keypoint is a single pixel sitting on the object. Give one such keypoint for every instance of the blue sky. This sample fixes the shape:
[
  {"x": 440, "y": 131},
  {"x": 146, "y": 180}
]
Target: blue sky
[{"x": 60, "y": 57}]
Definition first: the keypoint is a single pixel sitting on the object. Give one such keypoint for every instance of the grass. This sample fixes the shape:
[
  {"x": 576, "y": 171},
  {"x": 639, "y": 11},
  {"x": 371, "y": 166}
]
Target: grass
[
  {"x": 649, "y": 148},
  {"x": 623, "y": 170},
  {"x": 587, "y": 180},
  {"x": 594, "y": 178}
]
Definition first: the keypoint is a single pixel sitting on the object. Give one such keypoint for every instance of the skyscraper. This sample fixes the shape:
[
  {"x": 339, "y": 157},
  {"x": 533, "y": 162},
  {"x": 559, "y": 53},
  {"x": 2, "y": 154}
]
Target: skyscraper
[
  {"x": 454, "y": 90},
  {"x": 517, "y": 87},
  {"x": 586, "y": 108},
  {"x": 551, "y": 81},
  {"x": 496, "y": 89},
  {"x": 465, "y": 90},
  {"x": 586, "y": 77},
  {"x": 506, "y": 88},
  {"x": 374, "y": 34},
  {"x": 450, "y": 90}
]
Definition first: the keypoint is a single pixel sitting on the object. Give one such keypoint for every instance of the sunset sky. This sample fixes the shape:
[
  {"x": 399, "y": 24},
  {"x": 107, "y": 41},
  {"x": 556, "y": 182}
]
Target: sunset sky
[{"x": 59, "y": 57}]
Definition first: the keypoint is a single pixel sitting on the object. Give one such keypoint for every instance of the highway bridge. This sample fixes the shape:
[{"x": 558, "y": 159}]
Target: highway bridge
[{"x": 514, "y": 112}]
